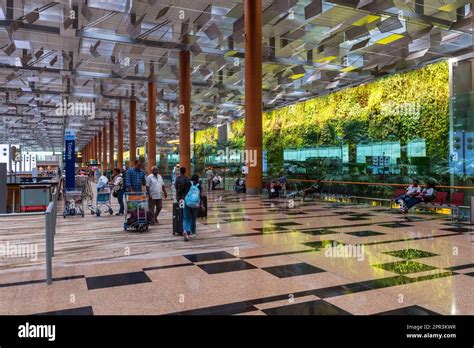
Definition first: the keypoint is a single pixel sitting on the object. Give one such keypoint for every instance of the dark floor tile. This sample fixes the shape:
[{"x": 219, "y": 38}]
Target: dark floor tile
[
  {"x": 410, "y": 254},
  {"x": 458, "y": 229},
  {"x": 354, "y": 218},
  {"x": 395, "y": 225},
  {"x": 321, "y": 244},
  {"x": 340, "y": 290},
  {"x": 284, "y": 224},
  {"x": 364, "y": 233},
  {"x": 216, "y": 255},
  {"x": 360, "y": 214},
  {"x": 458, "y": 267},
  {"x": 318, "y": 232},
  {"x": 405, "y": 267},
  {"x": 293, "y": 270},
  {"x": 237, "y": 220},
  {"x": 72, "y": 311},
  {"x": 108, "y": 281},
  {"x": 318, "y": 307},
  {"x": 154, "y": 268},
  {"x": 226, "y": 309},
  {"x": 229, "y": 266},
  {"x": 412, "y": 310},
  {"x": 386, "y": 282},
  {"x": 277, "y": 254},
  {"x": 270, "y": 229}
]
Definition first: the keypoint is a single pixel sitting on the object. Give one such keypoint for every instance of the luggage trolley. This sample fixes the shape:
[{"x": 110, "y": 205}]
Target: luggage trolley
[
  {"x": 136, "y": 204},
  {"x": 103, "y": 202},
  {"x": 73, "y": 203}
]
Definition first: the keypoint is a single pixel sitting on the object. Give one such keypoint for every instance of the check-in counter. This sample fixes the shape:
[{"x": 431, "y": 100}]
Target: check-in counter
[{"x": 29, "y": 195}]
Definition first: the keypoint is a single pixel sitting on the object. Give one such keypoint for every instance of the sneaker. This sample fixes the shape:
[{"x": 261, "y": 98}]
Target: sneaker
[
  {"x": 185, "y": 236},
  {"x": 192, "y": 235}
]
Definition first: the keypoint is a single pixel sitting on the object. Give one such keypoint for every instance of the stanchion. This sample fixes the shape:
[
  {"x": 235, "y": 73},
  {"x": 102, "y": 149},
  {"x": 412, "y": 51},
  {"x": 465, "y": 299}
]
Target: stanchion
[
  {"x": 472, "y": 210},
  {"x": 49, "y": 241}
]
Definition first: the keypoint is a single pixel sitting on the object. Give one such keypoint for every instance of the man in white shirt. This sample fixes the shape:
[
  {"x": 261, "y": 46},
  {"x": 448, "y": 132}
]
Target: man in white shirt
[{"x": 155, "y": 186}]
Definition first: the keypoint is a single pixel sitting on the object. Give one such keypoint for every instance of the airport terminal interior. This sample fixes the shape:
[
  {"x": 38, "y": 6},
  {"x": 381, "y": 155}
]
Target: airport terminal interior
[{"x": 329, "y": 144}]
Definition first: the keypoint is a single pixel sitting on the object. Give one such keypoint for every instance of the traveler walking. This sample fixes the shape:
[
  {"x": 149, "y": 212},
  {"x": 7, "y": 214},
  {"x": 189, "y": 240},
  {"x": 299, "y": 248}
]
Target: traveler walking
[
  {"x": 192, "y": 203},
  {"x": 119, "y": 189},
  {"x": 155, "y": 186},
  {"x": 135, "y": 178}
]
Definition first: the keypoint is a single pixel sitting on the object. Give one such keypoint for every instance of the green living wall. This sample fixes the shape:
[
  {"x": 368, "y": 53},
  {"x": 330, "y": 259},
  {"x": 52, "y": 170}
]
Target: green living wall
[{"x": 367, "y": 113}]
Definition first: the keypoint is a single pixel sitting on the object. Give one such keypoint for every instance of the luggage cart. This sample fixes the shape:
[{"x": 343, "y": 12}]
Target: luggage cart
[
  {"x": 103, "y": 202},
  {"x": 136, "y": 204},
  {"x": 73, "y": 203}
]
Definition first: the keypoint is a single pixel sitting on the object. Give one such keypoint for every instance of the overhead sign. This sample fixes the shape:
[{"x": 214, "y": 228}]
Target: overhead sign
[{"x": 70, "y": 158}]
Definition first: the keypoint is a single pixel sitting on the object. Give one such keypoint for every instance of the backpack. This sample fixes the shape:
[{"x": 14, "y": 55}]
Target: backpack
[{"x": 193, "y": 198}]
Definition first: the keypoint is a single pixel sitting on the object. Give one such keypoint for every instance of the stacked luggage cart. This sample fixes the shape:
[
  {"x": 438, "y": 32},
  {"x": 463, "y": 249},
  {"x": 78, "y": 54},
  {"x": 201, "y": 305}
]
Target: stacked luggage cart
[{"x": 136, "y": 217}]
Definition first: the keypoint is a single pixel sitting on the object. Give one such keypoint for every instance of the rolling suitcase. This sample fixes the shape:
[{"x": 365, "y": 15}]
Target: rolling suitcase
[
  {"x": 202, "y": 212},
  {"x": 177, "y": 219}
]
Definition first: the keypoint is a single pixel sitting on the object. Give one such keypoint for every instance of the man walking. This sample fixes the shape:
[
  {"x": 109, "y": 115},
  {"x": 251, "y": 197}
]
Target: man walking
[
  {"x": 135, "y": 178},
  {"x": 155, "y": 186}
]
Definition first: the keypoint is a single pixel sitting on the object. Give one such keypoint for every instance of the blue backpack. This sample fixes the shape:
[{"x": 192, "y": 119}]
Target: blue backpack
[{"x": 193, "y": 197}]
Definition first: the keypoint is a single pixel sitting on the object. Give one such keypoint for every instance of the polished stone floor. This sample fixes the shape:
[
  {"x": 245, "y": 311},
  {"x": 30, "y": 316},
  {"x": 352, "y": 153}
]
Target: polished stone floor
[{"x": 252, "y": 256}]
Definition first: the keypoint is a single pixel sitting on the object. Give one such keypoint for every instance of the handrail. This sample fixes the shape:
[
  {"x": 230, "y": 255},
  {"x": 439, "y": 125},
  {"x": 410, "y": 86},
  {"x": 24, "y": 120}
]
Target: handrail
[{"x": 376, "y": 183}]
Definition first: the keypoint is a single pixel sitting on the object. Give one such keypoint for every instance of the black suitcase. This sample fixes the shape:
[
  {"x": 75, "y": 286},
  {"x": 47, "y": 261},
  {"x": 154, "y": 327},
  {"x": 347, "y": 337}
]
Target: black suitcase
[
  {"x": 177, "y": 219},
  {"x": 202, "y": 212}
]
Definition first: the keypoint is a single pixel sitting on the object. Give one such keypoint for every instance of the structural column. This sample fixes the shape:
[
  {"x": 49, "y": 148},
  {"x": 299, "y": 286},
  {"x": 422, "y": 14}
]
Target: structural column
[
  {"x": 151, "y": 118},
  {"x": 120, "y": 140},
  {"x": 104, "y": 149},
  {"x": 253, "y": 93},
  {"x": 184, "y": 109},
  {"x": 111, "y": 144},
  {"x": 132, "y": 128},
  {"x": 99, "y": 146}
]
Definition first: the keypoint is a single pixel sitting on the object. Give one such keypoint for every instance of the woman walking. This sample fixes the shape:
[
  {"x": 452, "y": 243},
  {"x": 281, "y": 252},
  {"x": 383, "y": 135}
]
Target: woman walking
[{"x": 192, "y": 203}]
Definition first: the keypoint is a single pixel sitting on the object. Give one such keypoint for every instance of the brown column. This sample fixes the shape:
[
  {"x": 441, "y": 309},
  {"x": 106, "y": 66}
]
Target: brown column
[
  {"x": 104, "y": 149},
  {"x": 132, "y": 128},
  {"x": 85, "y": 155},
  {"x": 120, "y": 140},
  {"x": 96, "y": 148},
  {"x": 253, "y": 93},
  {"x": 151, "y": 118},
  {"x": 184, "y": 109},
  {"x": 99, "y": 147},
  {"x": 111, "y": 144}
]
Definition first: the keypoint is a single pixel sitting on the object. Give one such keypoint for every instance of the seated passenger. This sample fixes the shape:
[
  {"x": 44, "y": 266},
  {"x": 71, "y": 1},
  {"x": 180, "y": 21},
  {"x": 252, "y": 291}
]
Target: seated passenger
[
  {"x": 275, "y": 188},
  {"x": 412, "y": 190},
  {"x": 427, "y": 195},
  {"x": 216, "y": 180},
  {"x": 240, "y": 185},
  {"x": 315, "y": 188}
]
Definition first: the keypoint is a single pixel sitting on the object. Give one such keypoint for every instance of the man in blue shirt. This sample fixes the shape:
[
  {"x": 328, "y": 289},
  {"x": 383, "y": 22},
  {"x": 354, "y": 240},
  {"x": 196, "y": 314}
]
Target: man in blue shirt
[{"x": 135, "y": 178}]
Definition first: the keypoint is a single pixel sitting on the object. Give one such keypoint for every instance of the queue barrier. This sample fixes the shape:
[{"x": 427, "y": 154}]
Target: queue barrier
[{"x": 51, "y": 214}]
